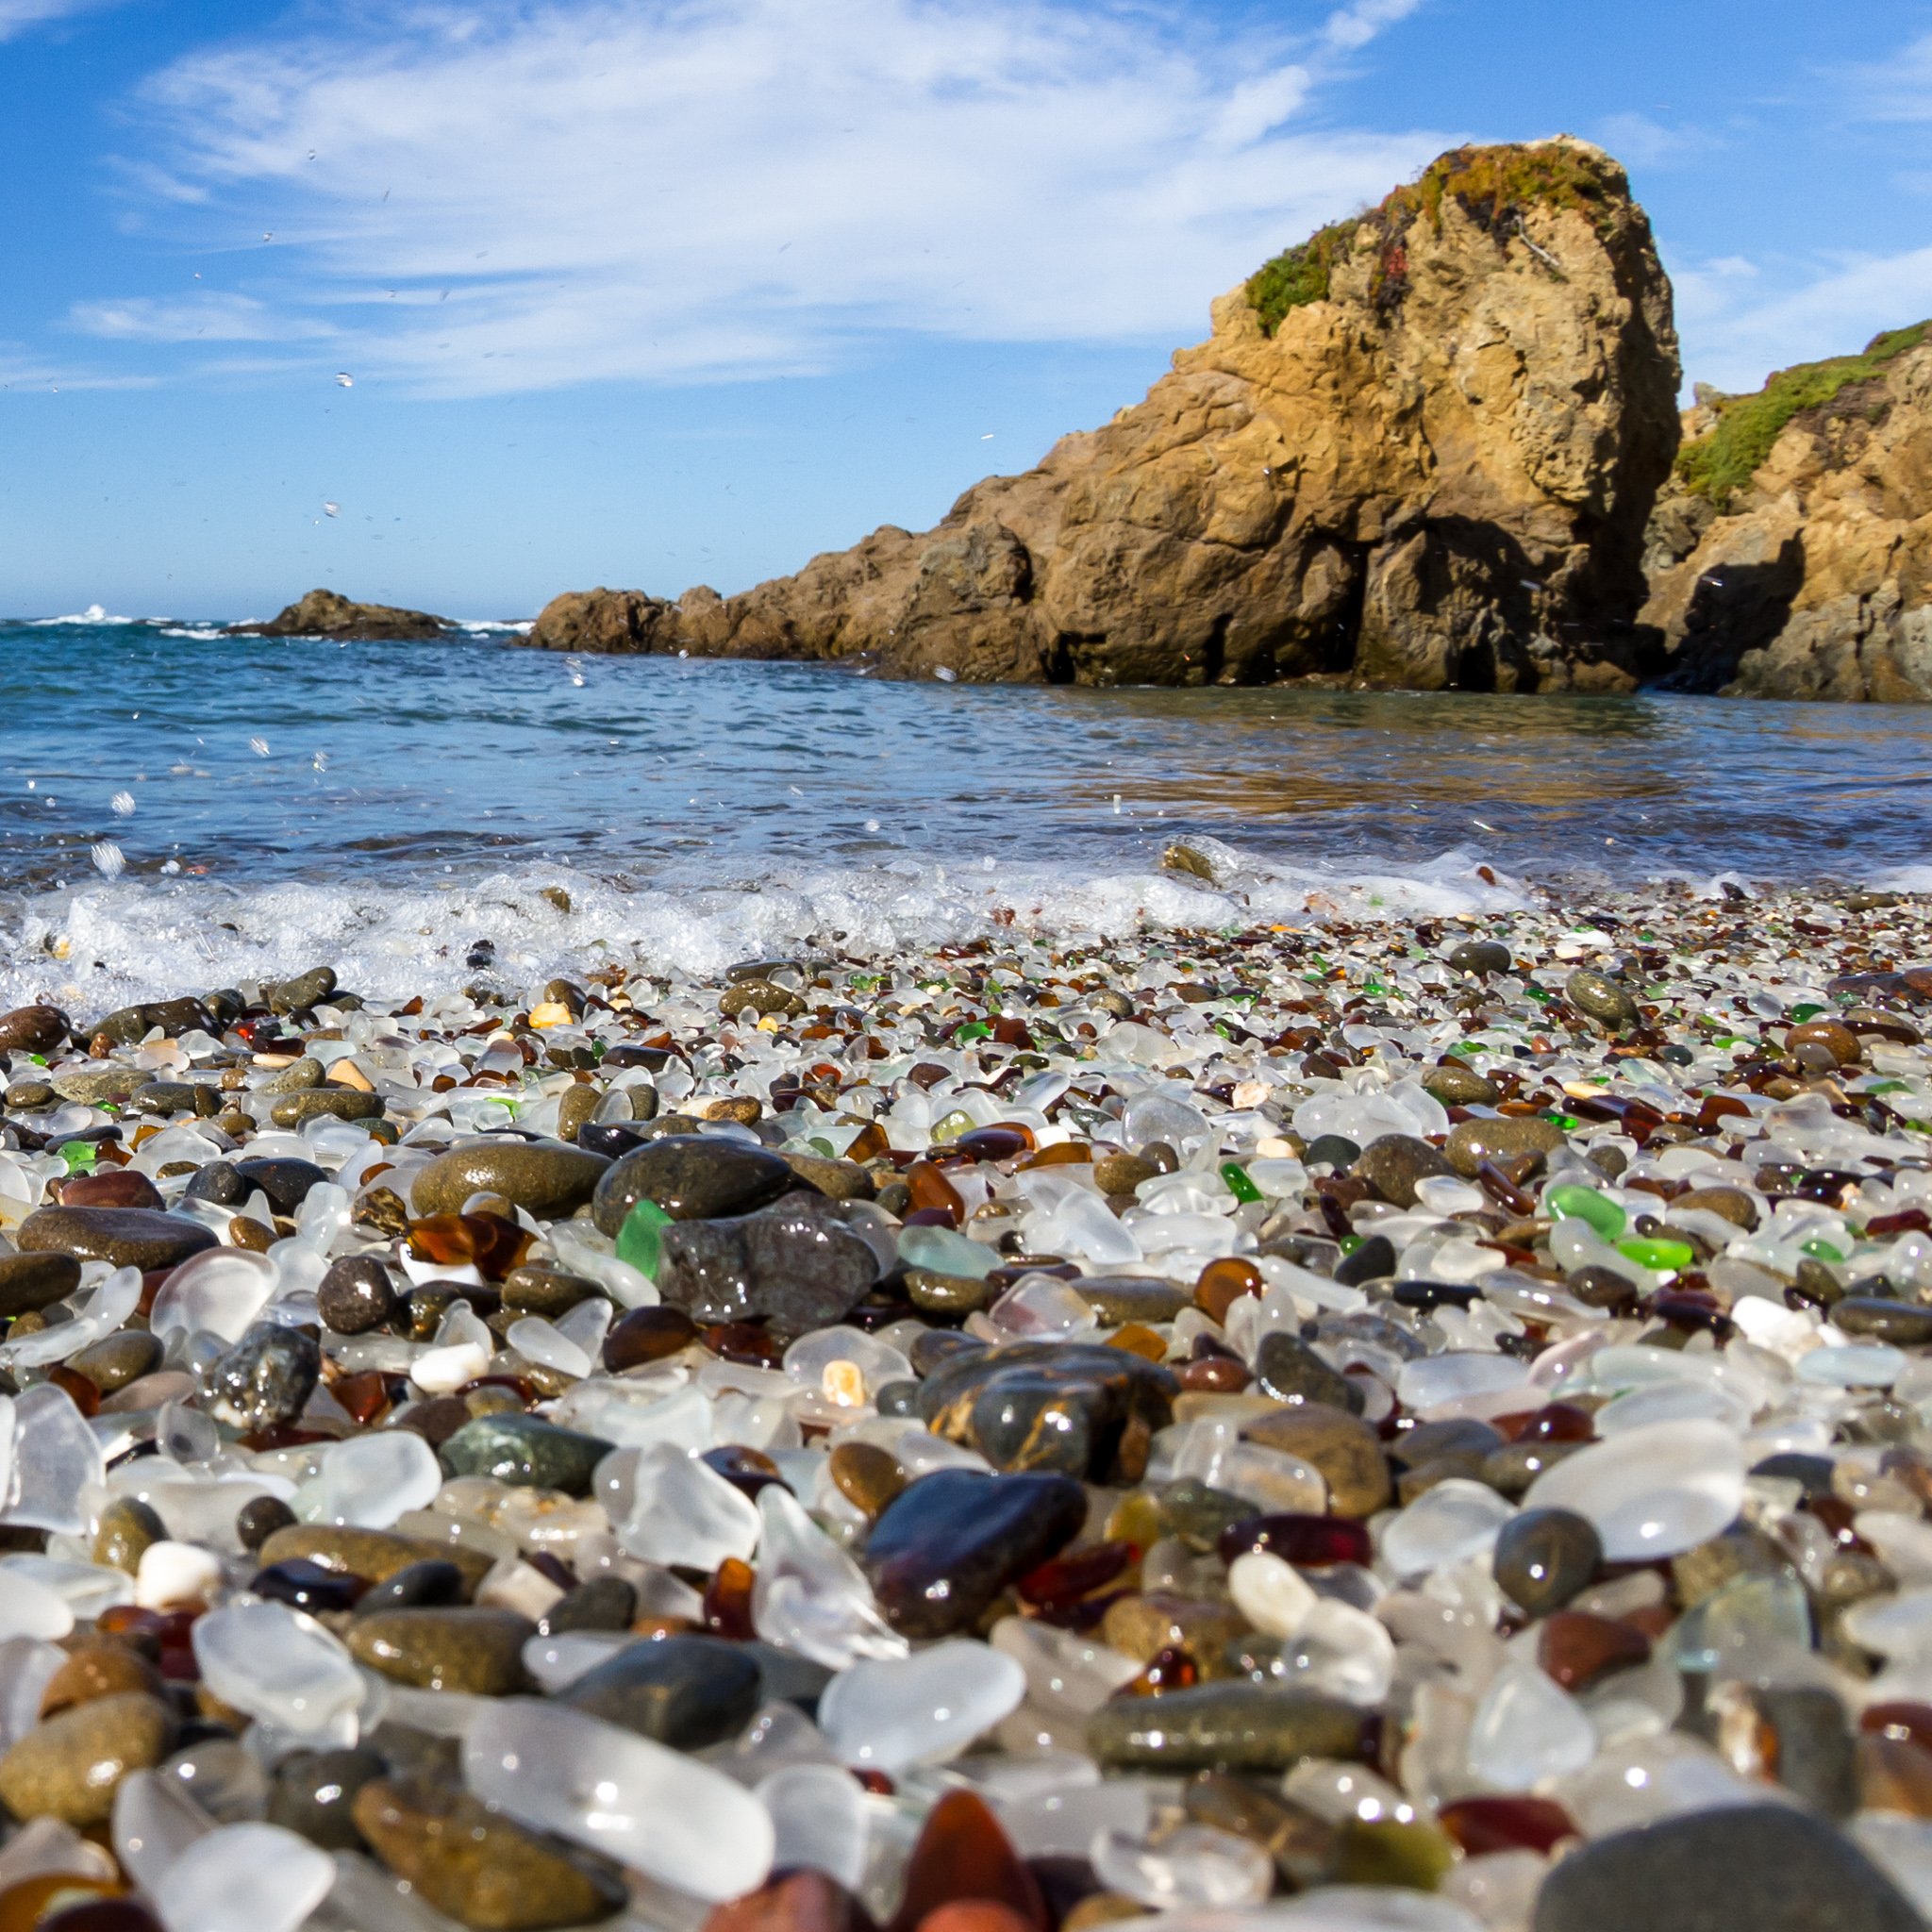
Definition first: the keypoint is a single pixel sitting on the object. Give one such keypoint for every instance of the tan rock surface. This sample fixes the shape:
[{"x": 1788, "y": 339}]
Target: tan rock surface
[
  {"x": 1436, "y": 472},
  {"x": 1814, "y": 579}
]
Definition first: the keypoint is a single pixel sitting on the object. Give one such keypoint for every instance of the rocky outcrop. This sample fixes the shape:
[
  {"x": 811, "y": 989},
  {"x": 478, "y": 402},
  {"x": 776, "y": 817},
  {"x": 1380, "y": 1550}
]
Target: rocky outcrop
[
  {"x": 327, "y": 614},
  {"x": 1792, "y": 555},
  {"x": 1419, "y": 450}
]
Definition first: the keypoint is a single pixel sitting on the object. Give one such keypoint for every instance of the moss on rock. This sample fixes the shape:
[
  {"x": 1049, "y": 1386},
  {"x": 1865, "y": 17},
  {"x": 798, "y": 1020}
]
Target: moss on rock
[
  {"x": 1493, "y": 186},
  {"x": 1724, "y": 460}
]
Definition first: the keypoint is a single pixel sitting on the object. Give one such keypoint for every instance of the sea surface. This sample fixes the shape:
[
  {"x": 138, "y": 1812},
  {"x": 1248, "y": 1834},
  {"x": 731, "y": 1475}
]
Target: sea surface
[{"x": 178, "y": 807}]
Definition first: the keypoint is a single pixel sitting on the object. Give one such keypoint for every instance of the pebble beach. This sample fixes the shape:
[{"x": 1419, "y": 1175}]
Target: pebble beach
[{"x": 1419, "y": 1423}]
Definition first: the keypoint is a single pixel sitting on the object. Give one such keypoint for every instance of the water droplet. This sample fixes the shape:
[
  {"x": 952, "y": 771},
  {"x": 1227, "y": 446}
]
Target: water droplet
[
  {"x": 258, "y": 747},
  {"x": 109, "y": 860},
  {"x": 123, "y": 803},
  {"x": 343, "y": 379}
]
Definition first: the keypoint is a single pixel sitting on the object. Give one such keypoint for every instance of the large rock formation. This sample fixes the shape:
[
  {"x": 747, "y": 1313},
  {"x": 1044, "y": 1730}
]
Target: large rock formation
[
  {"x": 1417, "y": 450},
  {"x": 1792, "y": 555},
  {"x": 328, "y": 614}
]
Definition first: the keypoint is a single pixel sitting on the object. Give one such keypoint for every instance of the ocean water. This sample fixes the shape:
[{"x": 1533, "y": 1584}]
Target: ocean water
[{"x": 180, "y": 808}]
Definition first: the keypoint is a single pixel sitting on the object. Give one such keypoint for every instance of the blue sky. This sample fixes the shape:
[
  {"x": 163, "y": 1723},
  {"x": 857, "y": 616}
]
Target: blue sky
[{"x": 636, "y": 293}]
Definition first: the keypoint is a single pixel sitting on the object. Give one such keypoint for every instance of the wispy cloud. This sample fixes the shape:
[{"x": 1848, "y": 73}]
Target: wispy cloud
[
  {"x": 1753, "y": 321},
  {"x": 1899, "y": 89},
  {"x": 17, "y": 16},
  {"x": 25, "y": 372},
  {"x": 523, "y": 196},
  {"x": 212, "y": 318}
]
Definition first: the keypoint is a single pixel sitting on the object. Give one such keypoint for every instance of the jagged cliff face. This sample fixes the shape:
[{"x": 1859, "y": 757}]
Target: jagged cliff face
[
  {"x": 1807, "y": 574},
  {"x": 1419, "y": 452}
]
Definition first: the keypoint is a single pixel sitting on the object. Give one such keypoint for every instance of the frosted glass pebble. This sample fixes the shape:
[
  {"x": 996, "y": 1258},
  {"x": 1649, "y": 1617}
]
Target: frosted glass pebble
[
  {"x": 244, "y": 1878},
  {"x": 43, "y": 1845},
  {"x": 810, "y": 1596},
  {"x": 1195, "y": 1865},
  {"x": 370, "y": 1480},
  {"x": 1527, "y": 1730},
  {"x": 1038, "y": 1307},
  {"x": 1870, "y": 1365},
  {"x": 1650, "y": 1492},
  {"x": 1902, "y": 1847},
  {"x": 1437, "y": 1379},
  {"x": 1342, "y": 1650},
  {"x": 29, "y": 1608},
  {"x": 57, "y": 1461},
  {"x": 557, "y": 1663},
  {"x": 655, "y": 1809},
  {"x": 1271, "y": 1595},
  {"x": 540, "y": 1341},
  {"x": 443, "y": 1370},
  {"x": 1066, "y": 1670},
  {"x": 1898, "y": 1625},
  {"x": 155, "y": 1820},
  {"x": 884, "y": 1714},
  {"x": 219, "y": 1292},
  {"x": 818, "y": 1820},
  {"x": 85, "y": 1589},
  {"x": 26, "y": 1667},
  {"x": 281, "y": 1667},
  {"x": 176, "y": 1577},
  {"x": 1444, "y": 1525},
  {"x": 684, "y": 1512}
]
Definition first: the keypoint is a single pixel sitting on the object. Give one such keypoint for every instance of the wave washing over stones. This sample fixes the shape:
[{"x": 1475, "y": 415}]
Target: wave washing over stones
[{"x": 1422, "y": 1425}]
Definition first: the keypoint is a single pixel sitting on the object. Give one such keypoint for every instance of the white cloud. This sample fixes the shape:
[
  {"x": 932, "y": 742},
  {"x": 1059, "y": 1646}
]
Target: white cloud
[
  {"x": 1901, "y": 87},
  {"x": 1642, "y": 141},
  {"x": 516, "y": 197},
  {"x": 17, "y": 16},
  {"x": 214, "y": 318},
  {"x": 1358, "y": 24},
  {"x": 25, "y": 372},
  {"x": 1736, "y": 331}
]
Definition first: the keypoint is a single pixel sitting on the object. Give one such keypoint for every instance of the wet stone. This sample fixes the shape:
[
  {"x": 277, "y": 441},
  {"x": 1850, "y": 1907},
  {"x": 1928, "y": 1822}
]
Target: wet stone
[
  {"x": 326, "y": 1103},
  {"x": 1904, "y": 1324},
  {"x": 1393, "y": 1163},
  {"x": 1338, "y": 1442},
  {"x": 266, "y": 1378},
  {"x": 355, "y": 1295},
  {"x": 1480, "y": 956},
  {"x": 98, "y": 1671},
  {"x": 1609, "y": 1004},
  {"x": 285, "y": 1183},
  {"x": 693, "y": 1177},
  {"x": 1120, "y": 1173},
  {"x": 1224, "y": 1727},
  {"x": 946, "y": 1294},
  {"x": 683, "y": 1691},
  {"x": 951, "y": 1543},
  {"x": 1457, "y": 1083},
  {"x": 31, "y": 1282},
  {"x": 69, "y": 1766},
  {"x": 374, "y": 1553},
  {"x": 838, "y": 1180},
  {"x": 545, "y": 1178},
  {"x": 1289, "y": 1370},
  {"x": 114, "y": 1187},
  {"x": 471, "y": 1649},
  {"x": 259, "y": 1518},
  {"x": 534, "y": 1287},
  {"x": 313, "y": 1794},
  {"x": 1119, "y": 1299},
  {"x": 525, "y": 1452},
  {"x": 1543, "y": 1557},
  {"x": 1374, "y": 1260},
  {"x": 646, "y": 1334},
  {"x": 868, "y": 1477},
  {"x": 125, "y": 1528},
  {"x": 432, "y": 1584},
  {"x": 33, "y": 1029},
  {"x": 123, "y": 1237},
  {"x": 1073, "y": 1409},
  {"x": 787, "y": 1266},
  {"x": 477, "y": 1865},
  {"x": 1471, "y": 1142},
  {"x": 604, "y": 1602},
  {"x": 1750, "y": 1868}
]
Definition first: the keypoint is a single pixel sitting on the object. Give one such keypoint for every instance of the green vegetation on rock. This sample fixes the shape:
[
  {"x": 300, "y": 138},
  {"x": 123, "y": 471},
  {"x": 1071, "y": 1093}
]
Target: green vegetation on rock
[
  {"x": 1723, "y": 461},
  {"x": 1493, "y": 186}
]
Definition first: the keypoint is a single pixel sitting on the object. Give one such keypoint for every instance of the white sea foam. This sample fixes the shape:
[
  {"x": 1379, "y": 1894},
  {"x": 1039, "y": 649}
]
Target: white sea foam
[
  {"x": 126, "y": 938},
  {"x": 94, "y": 616},
  {"x": 518, "y": 627}
]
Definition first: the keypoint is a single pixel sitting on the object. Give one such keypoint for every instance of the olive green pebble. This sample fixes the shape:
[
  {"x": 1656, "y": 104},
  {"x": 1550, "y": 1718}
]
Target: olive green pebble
[
  {"x": 1471, "y": 1142},
  {"x": 336, "y": 1102},
  {"x": 127, "y": 1529}
]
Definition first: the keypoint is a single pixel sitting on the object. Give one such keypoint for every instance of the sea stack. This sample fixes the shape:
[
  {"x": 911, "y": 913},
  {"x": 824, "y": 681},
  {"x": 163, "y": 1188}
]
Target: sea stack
[{"x": 1419, "y": 451}]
